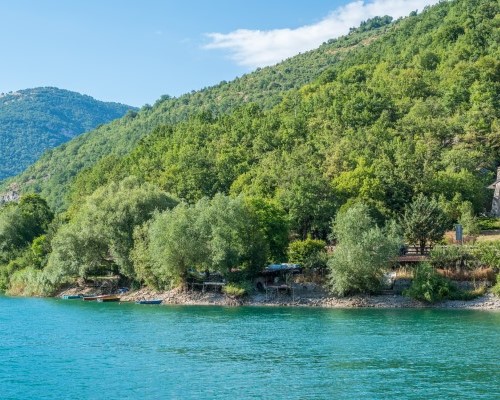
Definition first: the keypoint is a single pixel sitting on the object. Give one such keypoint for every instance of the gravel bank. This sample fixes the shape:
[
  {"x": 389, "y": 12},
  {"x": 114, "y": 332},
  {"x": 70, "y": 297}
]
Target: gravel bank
[{"x": 315, "y": 299}]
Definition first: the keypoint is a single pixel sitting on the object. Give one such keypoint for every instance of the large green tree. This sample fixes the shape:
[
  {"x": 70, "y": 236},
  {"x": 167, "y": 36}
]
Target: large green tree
[
  {"x": 99, "y": 238},
  {"x": 219, "y": 235},
  {"x": 423, "y": 222},
  {"x": 363, "y": 252}
]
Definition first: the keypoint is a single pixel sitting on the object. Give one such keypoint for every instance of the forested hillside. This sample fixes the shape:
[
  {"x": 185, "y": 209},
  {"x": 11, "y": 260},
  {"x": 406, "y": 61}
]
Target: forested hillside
[
  {"x": 34, "y": 120},
  {"x": 416, "y": 111},
  {"x": 52, "y": 174},
  {"x": 406, "y": 121}
]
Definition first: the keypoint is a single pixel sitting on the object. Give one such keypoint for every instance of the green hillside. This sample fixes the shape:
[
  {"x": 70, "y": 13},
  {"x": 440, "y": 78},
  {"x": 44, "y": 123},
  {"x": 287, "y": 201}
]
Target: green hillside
[
  {"x": 34, "y": 120},
  {"x": 401, "y": 127},
  {"x": 52, "y": 174},
  {"x": 415, "y": 111}
]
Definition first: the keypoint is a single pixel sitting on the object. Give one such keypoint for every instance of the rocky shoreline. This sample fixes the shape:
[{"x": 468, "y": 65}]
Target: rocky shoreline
[{"x": 314, "y": 298}]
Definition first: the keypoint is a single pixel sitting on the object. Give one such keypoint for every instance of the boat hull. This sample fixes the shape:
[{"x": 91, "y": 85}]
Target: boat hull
[{"x": 149, "y": 301}]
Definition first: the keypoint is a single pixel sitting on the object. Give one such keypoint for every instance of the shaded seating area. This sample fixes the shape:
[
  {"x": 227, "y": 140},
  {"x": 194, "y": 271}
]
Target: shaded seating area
[{"x": 206, "y": 281}]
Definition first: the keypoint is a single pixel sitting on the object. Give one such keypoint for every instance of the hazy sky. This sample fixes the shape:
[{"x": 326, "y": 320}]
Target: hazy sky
[{"x": 135, "y": 51}]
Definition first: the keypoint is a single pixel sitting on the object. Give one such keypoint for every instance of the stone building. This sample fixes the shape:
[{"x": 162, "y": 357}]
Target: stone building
[{"x": 495, "y": 205}]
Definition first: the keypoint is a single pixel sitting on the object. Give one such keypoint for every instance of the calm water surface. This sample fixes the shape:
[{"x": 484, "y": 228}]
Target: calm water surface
[{"x": 64, "y": 349}]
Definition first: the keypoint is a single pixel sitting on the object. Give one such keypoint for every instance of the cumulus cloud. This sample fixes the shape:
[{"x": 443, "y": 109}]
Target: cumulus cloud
[{"x": 256, "y": 48}]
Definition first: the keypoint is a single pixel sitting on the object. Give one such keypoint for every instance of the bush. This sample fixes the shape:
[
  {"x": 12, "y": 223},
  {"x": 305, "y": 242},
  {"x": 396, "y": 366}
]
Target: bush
[
  {"x": 453, "y": 257},
  {"x": 428, "y": 285},
  {"x": 309, "y": 253},
  {"x": 489, "y": 223},
  {"x": 29, "y": 282},
  {"x": 488, "y": 254},
  {"x": 234, "y": 290},
  {"x": 496, "y": 289}
]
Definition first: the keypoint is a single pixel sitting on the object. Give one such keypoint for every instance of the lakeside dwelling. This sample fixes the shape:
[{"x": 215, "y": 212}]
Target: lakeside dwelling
[{"x": 495, "y": 205}]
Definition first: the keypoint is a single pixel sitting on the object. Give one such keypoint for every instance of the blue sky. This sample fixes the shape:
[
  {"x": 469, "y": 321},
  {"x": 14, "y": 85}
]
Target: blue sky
[{"x": 135, "y": 51}]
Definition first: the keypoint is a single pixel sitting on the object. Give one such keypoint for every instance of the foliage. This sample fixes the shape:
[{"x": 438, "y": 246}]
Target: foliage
[
  {"x": 488, "y": 254},
  {"x": 309, "y": 253},
  {"x": 273, "y": 220},
  {"x": 496, "y": 289},
  {"x": 423, "y": 222},
  {"x": 488, "y": 223},
  {"x": 99, "y": 238},
  {"x": 234, "y": 290},
  {"x": 468, "y": 220},
  {"x": 21, "y": 222},
  {"x": 219, "y": 235},
  {"x": 363, "y": 252},
  {"x": 428, "y": 286},
  {"x": 453, "y": 257},
  {"x": 29, "y": 282},
  {"x": 34, "y": 120}
]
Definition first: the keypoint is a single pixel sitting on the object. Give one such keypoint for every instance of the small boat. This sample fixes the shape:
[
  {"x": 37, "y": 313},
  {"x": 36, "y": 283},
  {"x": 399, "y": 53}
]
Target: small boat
[
  {"x": 102, "y": 298},
  {"x": 71, "y": 296},
  {"x": 106, "y": 298},
  {"x": 90, "y": 298},
  {"x": 155, "y": 301}
]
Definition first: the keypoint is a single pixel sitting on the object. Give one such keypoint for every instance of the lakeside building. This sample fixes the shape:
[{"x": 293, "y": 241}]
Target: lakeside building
[{"x": 495, "y": 205}]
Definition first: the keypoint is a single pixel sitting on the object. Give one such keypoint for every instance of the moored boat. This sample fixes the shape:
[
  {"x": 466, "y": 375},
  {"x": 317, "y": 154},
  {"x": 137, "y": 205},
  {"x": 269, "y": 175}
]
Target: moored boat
[
  {"x": 102, "y": 298},
  {"x": 106, "y": 298},
  {"x": 71, "y": 296},
  {"x": 153, "y": 301}
]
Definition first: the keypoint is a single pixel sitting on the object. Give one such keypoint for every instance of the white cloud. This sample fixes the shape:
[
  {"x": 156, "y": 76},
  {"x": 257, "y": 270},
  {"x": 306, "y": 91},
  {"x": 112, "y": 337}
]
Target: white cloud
[{"x": 255, "y": 48}]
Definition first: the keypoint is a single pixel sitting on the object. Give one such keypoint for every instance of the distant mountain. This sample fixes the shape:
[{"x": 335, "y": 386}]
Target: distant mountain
[{"x": 34, "y": 120}]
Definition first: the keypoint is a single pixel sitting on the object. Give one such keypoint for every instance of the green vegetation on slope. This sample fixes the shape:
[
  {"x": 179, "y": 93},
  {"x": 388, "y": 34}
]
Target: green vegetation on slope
[
  {"x": 53, "y": 173},
  {"x": 405, "y": 123},
  {"x": 34, "y": 120}
]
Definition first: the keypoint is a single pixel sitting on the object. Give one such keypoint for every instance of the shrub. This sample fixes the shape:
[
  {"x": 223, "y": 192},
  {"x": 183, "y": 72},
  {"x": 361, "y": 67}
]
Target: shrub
[
  {"x": 488, "y": 254},
  {"x": 453, "y": 257},
  {"x": 489, "y": 223},
  {"x": 428, "y": 285},
  {"x": 234, "y": 290},
  {"x": 310, "y": 253},
  {"x": 29, "y": 282},
  {"x": 496, "y": 289}
]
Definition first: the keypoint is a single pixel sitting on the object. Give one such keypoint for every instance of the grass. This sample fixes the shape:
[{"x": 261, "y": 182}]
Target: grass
[
  {"x": 467, "y": 294},
  {"x": 478, "y": 274}
]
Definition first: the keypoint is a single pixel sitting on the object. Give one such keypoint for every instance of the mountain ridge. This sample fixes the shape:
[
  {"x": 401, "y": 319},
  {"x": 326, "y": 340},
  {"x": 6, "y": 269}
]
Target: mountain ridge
[{"x": 34, "y": 120}]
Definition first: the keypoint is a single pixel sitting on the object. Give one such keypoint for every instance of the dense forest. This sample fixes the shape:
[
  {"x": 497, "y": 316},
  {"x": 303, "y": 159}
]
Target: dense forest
[
  {"x": 52, "y": 174},
  {"x": 405, "y": 119},
  {"x": 34, "y": 120}
]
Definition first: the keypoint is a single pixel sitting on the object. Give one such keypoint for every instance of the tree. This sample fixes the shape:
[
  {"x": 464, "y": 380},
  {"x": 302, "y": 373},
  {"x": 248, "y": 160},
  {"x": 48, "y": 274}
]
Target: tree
[
  {"x": 20, "y": 223},
  {"x": 363, "y": 252},
  {"x": 468, "y": 220},
  {"x": 423, "y": 222},
  {"x": 174, "y": 244},
  {"x": 310, "y": 253},
  {"x": 219, "y": 235},
  {"x": 274, "y": 224},
  {"x": 99, "y": 238}
]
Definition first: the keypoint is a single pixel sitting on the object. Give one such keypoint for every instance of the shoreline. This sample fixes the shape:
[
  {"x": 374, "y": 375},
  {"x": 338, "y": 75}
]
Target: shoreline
[{"x": 317, "y": 299}]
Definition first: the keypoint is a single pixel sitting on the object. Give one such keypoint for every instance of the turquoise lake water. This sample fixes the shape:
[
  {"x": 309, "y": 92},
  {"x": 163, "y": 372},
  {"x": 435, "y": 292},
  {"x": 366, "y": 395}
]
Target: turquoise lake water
[{"x": 69, "y": 349}]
